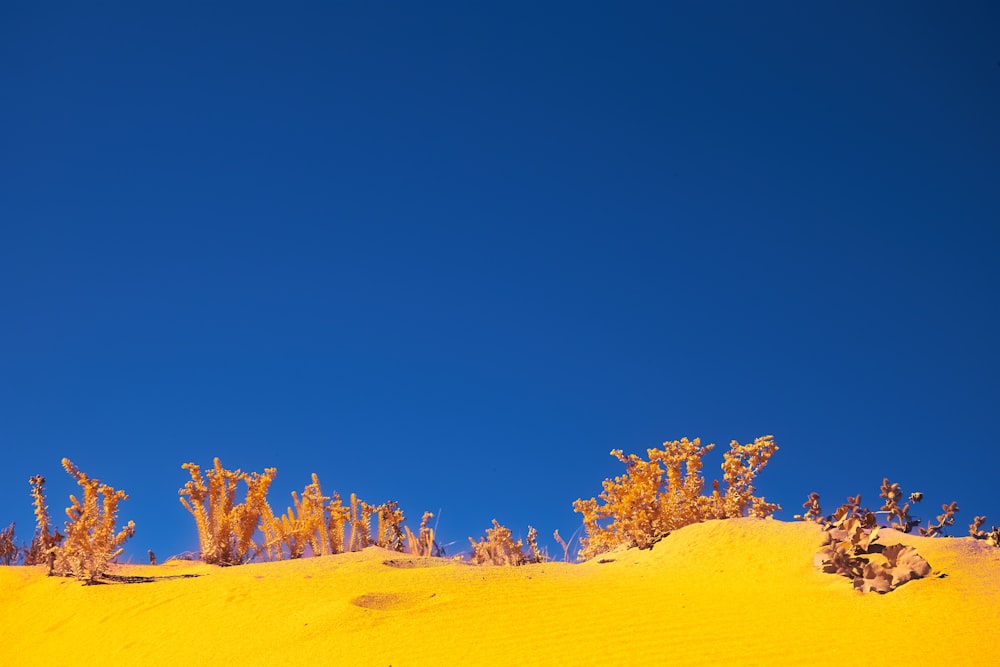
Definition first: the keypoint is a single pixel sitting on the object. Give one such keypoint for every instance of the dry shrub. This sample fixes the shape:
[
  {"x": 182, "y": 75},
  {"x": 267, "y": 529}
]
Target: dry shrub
[
  {"x": 499, "y": 548},
  {"x": 306, "y": 524},
  {"x": 91, "y": 541},
  {"x": 992, "y": 537},
  {"x": 318, "y": 522},
  {"x": 226, "y": 530},
  {"x": 423, "y": 544},
  {"x": 361, "y": 524},
  {"x": 850, "y": 550},
  {"x": 338, "y": 516},
  {"x": 663, "y": 494},
  {"x": 9, "y": 551},
  {"x": 899, "y": 515},
  {"x": 46, "y": 537},
  {"x": 390, "y": 526}
]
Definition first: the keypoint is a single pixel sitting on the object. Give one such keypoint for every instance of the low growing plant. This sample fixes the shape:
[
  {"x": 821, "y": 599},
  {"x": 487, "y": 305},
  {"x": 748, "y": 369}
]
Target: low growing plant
[
  {"x": 899, "y": 515},
  {"x": 850, "y": 550}
]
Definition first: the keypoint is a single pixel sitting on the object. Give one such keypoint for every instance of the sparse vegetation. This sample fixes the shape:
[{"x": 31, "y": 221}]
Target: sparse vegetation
[
  {"x": 47, "y": 537},
  {"x": 499, "y": 548},
  {"x": 652, "y": 498},
  {"x": 9, "y": 551},
  {"x": 663, "y": 494},
  {"x": 850, "y": 550},
  {"x": 91, "y": 541},
  {"x": 314, "y": 524},
  {"x": 423, "y": 544},
  {"x": 992, "y": 537}
]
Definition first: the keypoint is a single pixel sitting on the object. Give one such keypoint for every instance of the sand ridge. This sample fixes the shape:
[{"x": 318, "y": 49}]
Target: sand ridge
[{"x": 739, "y": 591}]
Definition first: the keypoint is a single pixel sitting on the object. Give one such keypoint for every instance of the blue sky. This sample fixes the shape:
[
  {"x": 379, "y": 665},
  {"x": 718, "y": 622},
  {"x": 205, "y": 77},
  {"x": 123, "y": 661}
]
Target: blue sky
[{"x": 452, "y": 255}]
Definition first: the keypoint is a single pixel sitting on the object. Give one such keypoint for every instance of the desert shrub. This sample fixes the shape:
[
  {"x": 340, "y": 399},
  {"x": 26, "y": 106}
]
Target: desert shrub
[
  {"x": 390, "y": 526},
  {"x": 899, "y": 514},
  {"x": 305, "y": 524},
  {"x": 9, "y": 551},
  {"x": 665, "y": 493},
  {"x": 360, "y": 518},
  {"x": 320, "y": 526},
  {"x": 423, "y": 544},
  {"x": 91, "y": 541},
  {"x": 992, "y": 537},
  {"x": 499, "y": 548},
  {"x": 46, "y": 537},
  {"x": 850, "y": 550},
  {"x": 225, "y": 529}
]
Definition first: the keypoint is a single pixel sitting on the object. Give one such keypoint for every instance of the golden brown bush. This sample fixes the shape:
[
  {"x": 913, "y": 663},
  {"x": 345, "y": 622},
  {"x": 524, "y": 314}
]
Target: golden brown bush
[
  {"x": 304, "y": 525},
  {"x": 225, "y": 529},
  {"x": 663, "y": 494},
  {"x": 91, "y": 541},
  {"x": 499, "y": 548}
]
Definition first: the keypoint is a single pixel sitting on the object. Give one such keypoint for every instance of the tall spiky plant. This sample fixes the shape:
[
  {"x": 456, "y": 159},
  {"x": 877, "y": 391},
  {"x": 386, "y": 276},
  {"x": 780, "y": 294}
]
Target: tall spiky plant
[{"x": 91, "y": 541}]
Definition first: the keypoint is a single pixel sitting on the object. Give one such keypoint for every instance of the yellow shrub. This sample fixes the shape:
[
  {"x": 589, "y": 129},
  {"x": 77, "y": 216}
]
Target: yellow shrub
[{"x": 663, "y": 494}]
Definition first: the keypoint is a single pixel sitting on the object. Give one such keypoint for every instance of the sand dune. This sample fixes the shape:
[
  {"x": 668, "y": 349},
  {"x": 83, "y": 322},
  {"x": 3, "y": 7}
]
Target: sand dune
[{"x": 734, "y": 592}]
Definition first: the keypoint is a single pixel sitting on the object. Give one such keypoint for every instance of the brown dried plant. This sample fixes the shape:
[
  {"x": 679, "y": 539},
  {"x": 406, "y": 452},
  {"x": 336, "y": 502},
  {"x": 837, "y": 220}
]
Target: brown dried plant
[
  {"x": 992, "y": 537},
  {"x": 319, "y": 525},
  {"x": 91, "y": 541},
  {"x": 499, "y": 548},
  {"x": 423, "y": 543},
  {"x": 305, "y": 525},
  {"x": 850, "y": 550},
  {"x": 899, "y": 516},
  {"x": 814, "y": 512},
  {"x": 46, "y": 537},
  {"x": 225, "y": 529},
  {"x": 892, "y": 494},
  {"x": 9, "y": 551},
  {"x": 643, "y": 506},
  {"x": 390, "y": 526},
  {"x": 338, "y": 516},
  {"x": 361, "y": 524},
  {"x": 945, "y": 519}
]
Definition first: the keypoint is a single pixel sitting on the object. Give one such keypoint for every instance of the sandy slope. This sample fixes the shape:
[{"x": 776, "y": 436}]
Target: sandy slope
[{"x": 720, "y": 593}]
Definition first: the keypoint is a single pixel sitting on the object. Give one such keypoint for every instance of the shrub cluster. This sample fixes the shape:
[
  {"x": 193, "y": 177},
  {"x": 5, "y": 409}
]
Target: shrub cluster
[
  {"x": 91, "y": 541},
  {"x": 315, "y": 523},
  {"x": 665, "y": 493}
]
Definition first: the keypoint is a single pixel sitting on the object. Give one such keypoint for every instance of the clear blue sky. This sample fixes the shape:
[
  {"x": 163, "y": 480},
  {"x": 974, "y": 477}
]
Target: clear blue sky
[{"x": 452, "y": 255}]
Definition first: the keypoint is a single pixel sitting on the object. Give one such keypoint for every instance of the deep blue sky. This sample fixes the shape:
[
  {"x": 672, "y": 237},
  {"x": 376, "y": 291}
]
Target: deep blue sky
[{"x": 453, "y": 255}]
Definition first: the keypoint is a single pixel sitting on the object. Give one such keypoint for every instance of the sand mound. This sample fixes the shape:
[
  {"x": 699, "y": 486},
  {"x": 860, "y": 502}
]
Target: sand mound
[{"x": 722, "y": 592}]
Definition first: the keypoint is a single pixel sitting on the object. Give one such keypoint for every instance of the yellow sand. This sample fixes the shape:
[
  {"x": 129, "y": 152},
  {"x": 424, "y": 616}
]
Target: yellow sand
[{"x": 737, "y": 592}]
